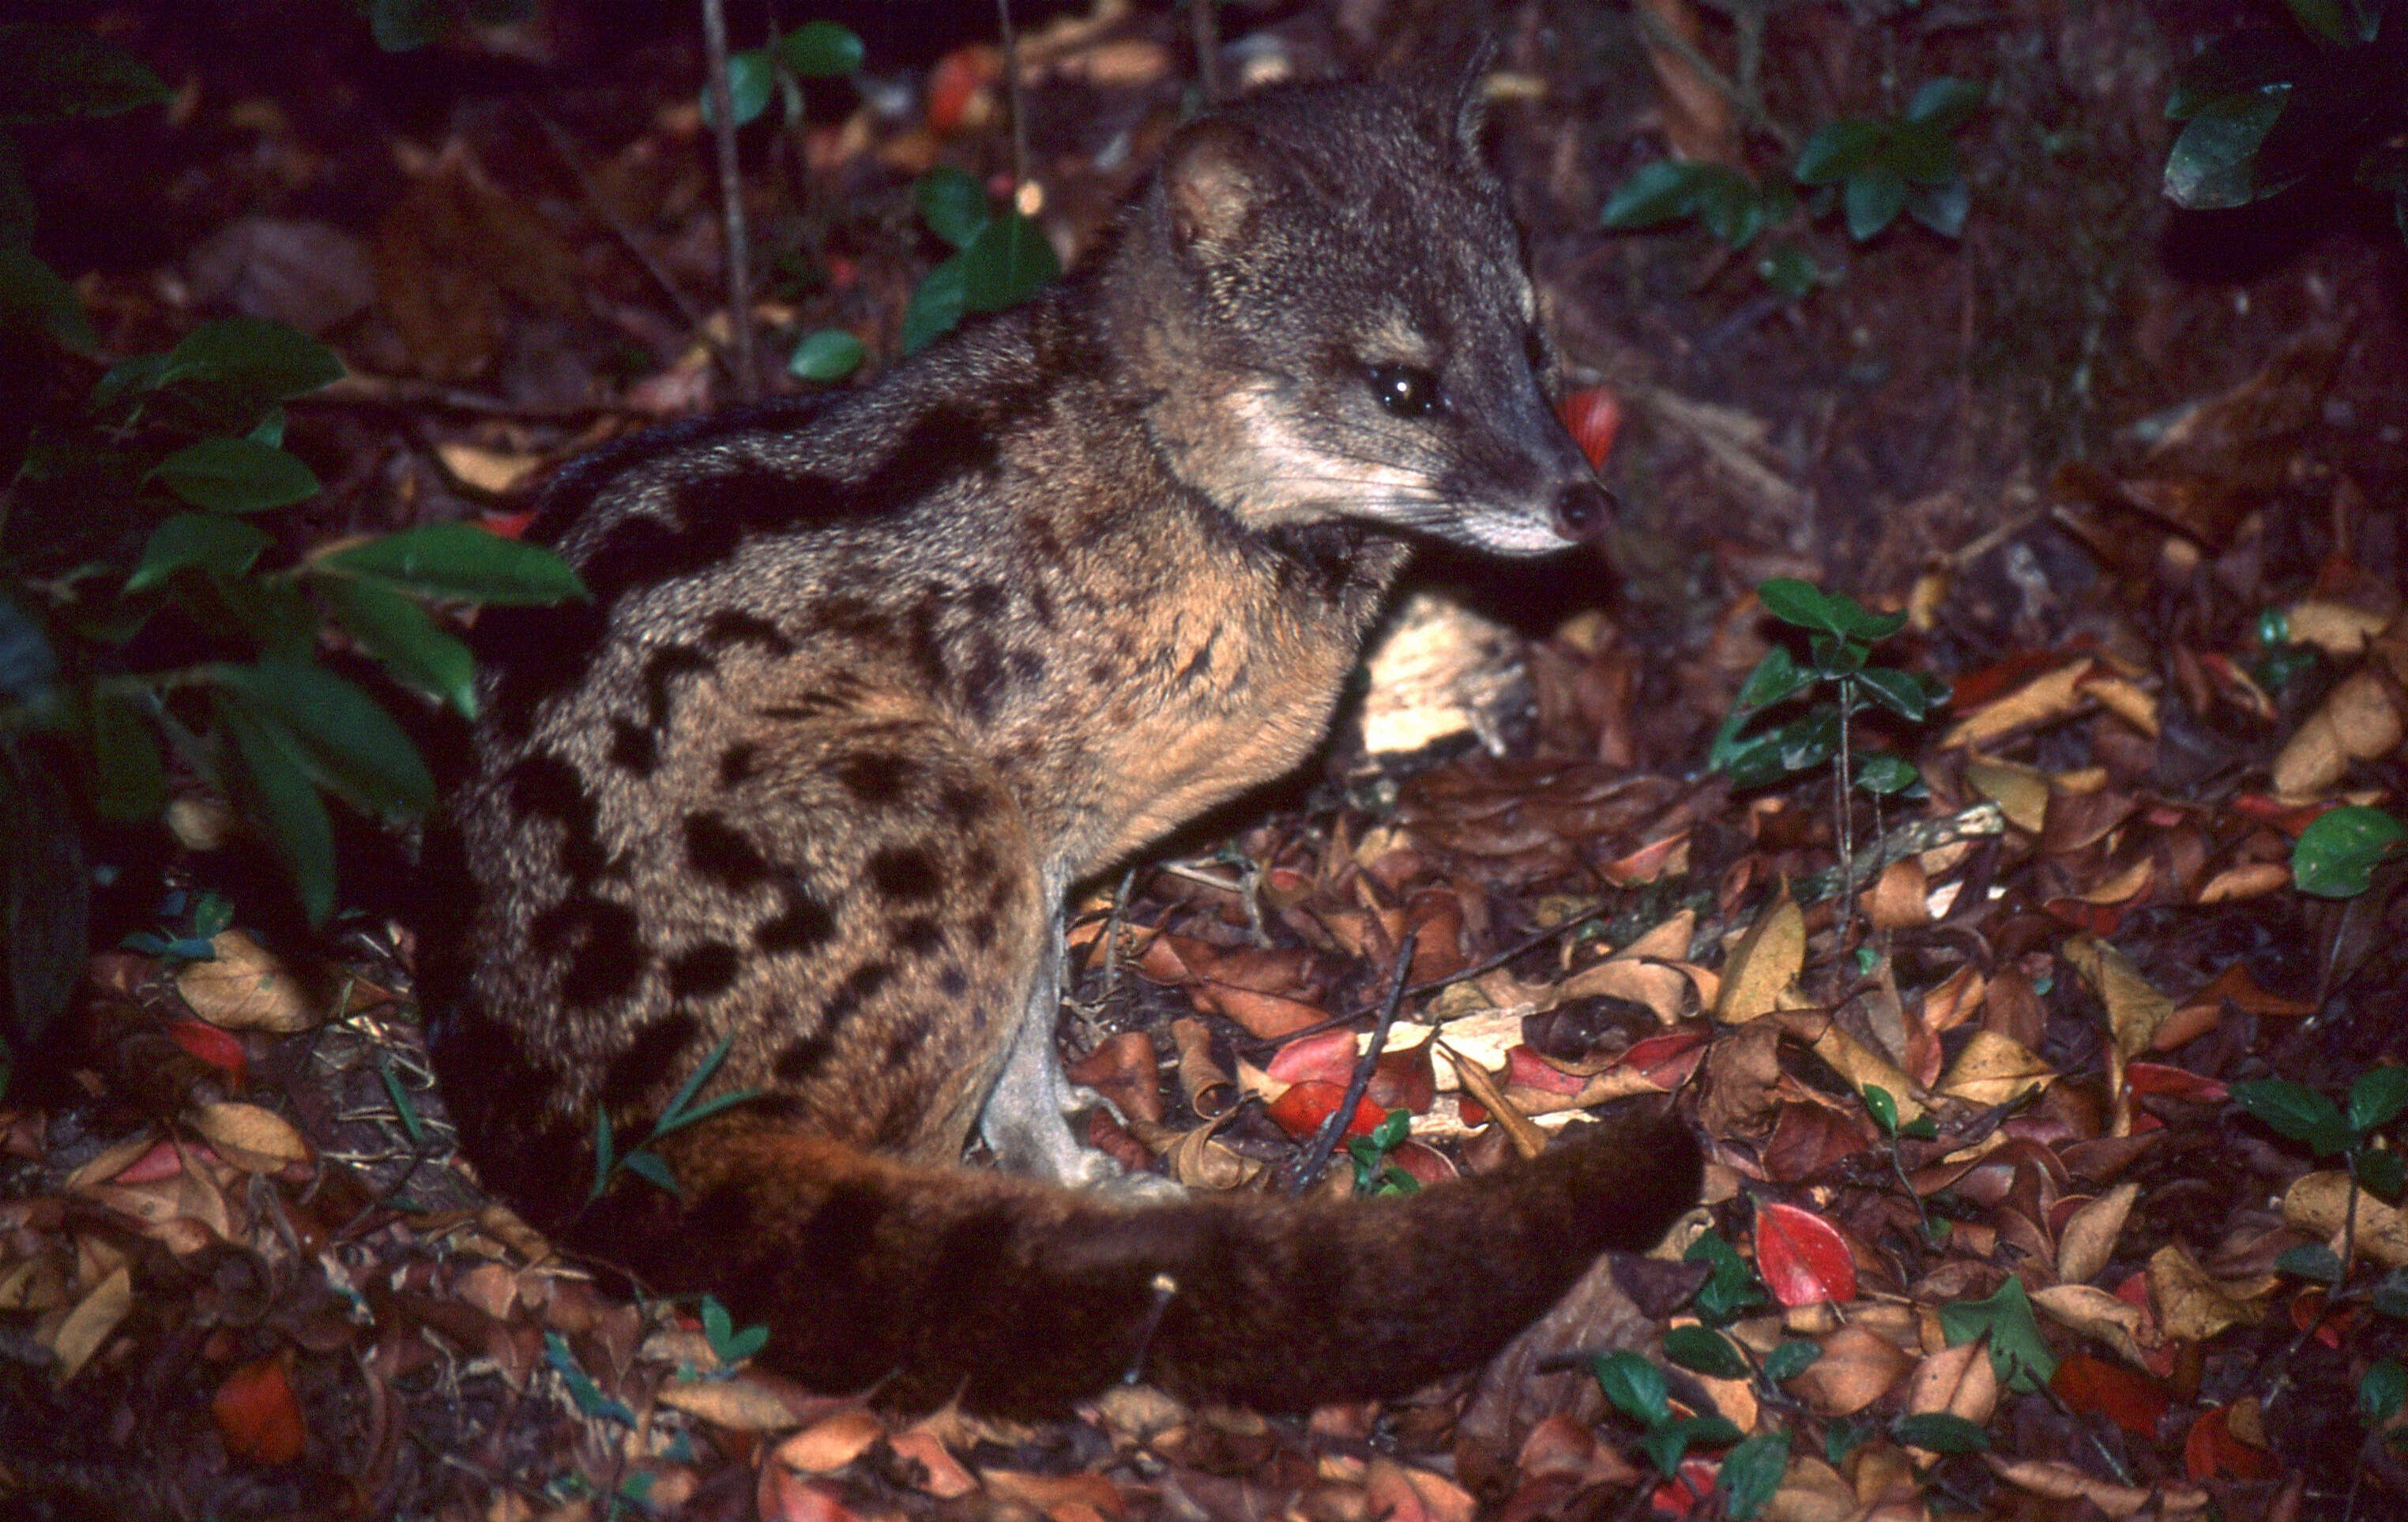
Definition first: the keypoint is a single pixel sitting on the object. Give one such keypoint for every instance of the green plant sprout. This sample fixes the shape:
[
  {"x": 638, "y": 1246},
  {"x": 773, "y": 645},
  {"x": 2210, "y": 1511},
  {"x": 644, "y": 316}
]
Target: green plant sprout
[
  {"x": 1375, "y": 1172},
  {"x": 2349, "y": 1132},
  {"x": 682, "y": 1112}
]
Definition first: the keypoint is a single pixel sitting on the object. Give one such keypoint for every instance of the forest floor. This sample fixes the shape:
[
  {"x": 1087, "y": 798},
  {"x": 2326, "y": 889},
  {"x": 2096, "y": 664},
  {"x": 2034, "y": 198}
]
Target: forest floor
[{"x": 1998, "y": 1225}]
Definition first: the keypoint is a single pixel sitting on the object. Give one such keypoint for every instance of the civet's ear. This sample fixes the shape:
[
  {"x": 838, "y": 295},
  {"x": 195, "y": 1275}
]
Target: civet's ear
[
  {"x": 1216, "y": 178},
  {"x": 1453, "y": 90}
]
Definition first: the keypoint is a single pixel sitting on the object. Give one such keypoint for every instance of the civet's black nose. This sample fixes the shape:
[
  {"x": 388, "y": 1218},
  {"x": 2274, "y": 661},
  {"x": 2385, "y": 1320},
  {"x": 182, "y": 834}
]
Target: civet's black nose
[{"x": 1584, "y": 509}]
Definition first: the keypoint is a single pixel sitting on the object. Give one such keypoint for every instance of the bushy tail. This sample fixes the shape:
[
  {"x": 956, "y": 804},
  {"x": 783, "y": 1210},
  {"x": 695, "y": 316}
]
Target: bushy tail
[{"x": 1021, "y": 1297}]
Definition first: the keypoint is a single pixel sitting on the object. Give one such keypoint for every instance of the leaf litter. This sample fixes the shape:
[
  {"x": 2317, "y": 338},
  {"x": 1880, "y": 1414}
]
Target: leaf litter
[{"x": 237, "y": 1245}]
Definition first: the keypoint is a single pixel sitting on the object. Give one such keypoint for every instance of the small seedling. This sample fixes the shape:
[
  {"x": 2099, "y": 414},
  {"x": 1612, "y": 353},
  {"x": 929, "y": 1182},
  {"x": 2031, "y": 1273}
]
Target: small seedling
[
  {"x": 729, "y": 1345},
  {"x": 640, "y": 1159},
  {"x": 1637, "y": 1389},
  {"x": 1883, "y": 1107},
  {"x": 998, "y": 261},
  {"x": 2303, "y": 1114},
  {"x": 1375, "y": 1172}
]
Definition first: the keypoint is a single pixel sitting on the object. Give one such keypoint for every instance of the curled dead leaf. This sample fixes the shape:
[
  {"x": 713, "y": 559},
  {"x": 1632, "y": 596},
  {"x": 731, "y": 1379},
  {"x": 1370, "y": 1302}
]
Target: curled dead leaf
[
  {"x": 743, "y": 1404},
  {"x": 1993, "y": 1069},
  {"x": 2020, "y": 791},
  {"x": 2041, "y": 700},
  {"x": 2193, "y": 1306},
  {"x": 245, "y": 986},
  {"x": 255, "y": 1140},
  {"x": 2089, "y": 1239},
  {"x": 79, "y": 1335},
  {"x": 2135, "y": 1008},
  {"x": 1959, "y": 1381},
  {"x": 2361, "y": 719},
  {"x": 2316, "y": 1202},
  {"x": 829, "y": 1443},
  {"x": 2063, "y": 1482},
  {"x": 1858, "y": 1367},
  {"x": 2127, "y": 1327},
  {"x": 1761, "y": 972}
]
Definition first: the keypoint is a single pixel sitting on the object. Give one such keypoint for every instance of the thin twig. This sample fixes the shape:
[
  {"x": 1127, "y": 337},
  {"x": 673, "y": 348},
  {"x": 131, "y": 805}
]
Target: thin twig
[
  {"x": 1324, "y": 1140},
  {"x": 731, "y": 201},
  {"x": 1529, "y": 943},
  {"x": 1011, "y": 94},
  {"x": 562, "y": 145},
  {"x": 1204, "y": 21}
]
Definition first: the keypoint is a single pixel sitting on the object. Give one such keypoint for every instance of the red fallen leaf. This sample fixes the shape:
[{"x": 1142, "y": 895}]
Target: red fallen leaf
[
  {"x": 219, "y": 1048},
  {"x": 2177, "y": 1083},
  {"x": 2134, "y": 1290},
  {"x": 2290, "y": 818},
  {"x": 162, "y": 1161},
  {"x": 1592, "y": 416},
  {"x": 1804, "y": 1260},
  {"x": 956, "y": 77},
  {"x": 1666, "y": 1060},
  {"x": 1526, "y": 1069},
  {"x": 1106, "y": 1136},
  {"x": 1474, "y": 1112},
  {"x": 1328, "y": 1056},
  {"x": 256, "y": 1415},
  {"x": 1426, "y": 1163},
  {"x": 1122, "y": 1069},
  {"x": 2209, "y": 1449},
  {"x": 784, "y": 1496},
  {"x": 1807, "y": 1138},
  {"x": 1302, "y": 1110},
  {"x": 506, "y": 525},
  {"x": 2129, "y": 1399},
  {"x": 1996, "y": 680},
  {"x": 1402, "y": 1079},
  {"x": 1680, "y": 1495},
  {"x": 2101, "y": 919},
  {"x": 2308, "y": 1308}
]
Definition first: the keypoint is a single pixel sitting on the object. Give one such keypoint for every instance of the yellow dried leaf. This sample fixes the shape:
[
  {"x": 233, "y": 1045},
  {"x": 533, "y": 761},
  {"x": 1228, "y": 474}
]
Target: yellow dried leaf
[
  {"x": 2316, "y": 1202},
  {"x": 1858, "y": 1367},
  {"x": 1659, "y": 986},
  {"x": 832, "y": 1442},
  {"x": 247, "y": 988},
  {"x": 2135, "y": 1008},
  {"x": 2194, "y": 1307},
  {"x": 496, "y": 473},
  {"x": 2063, "y": 1482},
  {"x": 2020, "y": 791},
  {"x": 1861, "y": 1065},
  {"x": 2037, "y": 701},
  {"x": 2249, "y": 880},
  {"x": 740, "y": 1404},
  {"x": 252, "y": 1139},
  {"x": 2335, "y": 628},
  {"x": 1993, "y": 1069},
  {"x": 2126, "y": 700},
  {"x": 2089, "y": 1239},
  {"x": 1666, "y": 942},
  {"x": 1898, "y": 898},
  {"x": 112, "y": 1160},
  {"x": 1959, "y": 1381},
  {"x": 1759, "y": 976},
  {"x": 79, "y": 1334},
  {"x": 2358, "y": 720},
  {"x": 1811, "y": 1491},
  {"x": 2092, "y": 1311}
]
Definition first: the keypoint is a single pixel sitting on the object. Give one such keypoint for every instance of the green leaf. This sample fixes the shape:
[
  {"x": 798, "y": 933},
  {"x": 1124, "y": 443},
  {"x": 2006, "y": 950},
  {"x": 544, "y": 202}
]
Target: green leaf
[
  {"x": 236, "y": 475},
  {"x": 45, "y": 897},
  {"x": 2338, "y": 852},
  {"x": 50, "y": 73},
  {"x": 411, "y": 1127},
  {"x": 399, "y": 633},
  {"x": 1790, "y": 1359},
  {"x": 2324, "y": 18},
  {"x": 1922, "y": 155},
  {"x": 1808, "y": 742},
  {"x": 2213, "y": 165},
  {"x": 2296, "y": 1111},
  {"x": 1776, "y": 678},
  {"x": 937, "y": 305},
  {"x": 1667, "y": 1442},
  {"x": 2381, "y": 1391},
  {"x": 1884, "y": 774},
  {"x": 2390, "y": 1294},
  {"x": 606, "y": 1157},
  {"x": 1730, "y": 1288},
  {"x": 2021, "y": 1359},
  {"x": 1900, "y": 693},
  {"x": 1633, "y": 1385},
  {"x": 1941, "y": 1433},
  {"x": 345, "y": 743},
  {"x": 1941, "y": 207},
  {"x": 1658, "y": 192},
  {"x": 719, "y": 1330},
  {"x": 2376, "y": 1097},
  {"x": 1799, "y": 604},
  {"x": 460, "y": 561},
  {"x": 751, "y": 80},
  {"x": 675, "y": 1115},
  {"x": 1884, "y": 1108},
  {"x": 270, "y": 611},
  {"x": 2381, "y": 1174},
  {"x": 277, "y": 792},
  {"x": 129, "y": 784},
  {"x": 829, "y": 355},
  {"x": 952, "y": 203},
  {"x": 1839, "y": 148},
  {"x": 582, "y": 1389},
  {"x": 1752, "y": 1471},
  {"x": 1705, "y": 1351},
  {"x": 28, "y": 665},
  {"x": 1009, "y": 260},
  {"x": 1729, "y": 206},
  {"x": 1945, "y": 104},
  {"x": 1872, "y": 198},
  {"x": 2236, "y": 64},
  {"x": 223, "y": 547},
  {"x": 1390, "y": 1134},
  {"x": 32, "y": 295},
  {"x": 821, "y": 50},
  {"x": 653, "y": 1169},
  {"x": 2314, "y": 1261},
  {"x": 265, "y": 360},
  {"x": 1790, "y": 269}
]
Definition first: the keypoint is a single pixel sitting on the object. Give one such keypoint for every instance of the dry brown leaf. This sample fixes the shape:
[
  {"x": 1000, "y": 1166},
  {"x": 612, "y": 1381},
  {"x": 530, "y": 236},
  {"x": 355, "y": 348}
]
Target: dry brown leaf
[
  {"x": 2135, "y": 1008},
  {"x": 739, "y": 1402},
  {"x": 2315, "y": 1201},
  {"x": 113, "y": 1160},
  {"x": 1666, "y": 942},
  {"x": 1811, "y": 1491},
  {"x": 2020, "y": 791},
  {"x": 1861, "y": 1065},
  {"x": 245, "y": 986},
  {"x": 942, "y": 1475},
  {"x": 2361, "y": 719},
  {"x": 79, "y": 1334},
  {"x": 2063, "y": 1482},
  {"x": 1994, "y": 1068},
  {"x": 2195, "y": 1307},
  {"x": 829, "y": 1443},
  {"x": 1696, "y": 114},
  {"x": 1959, "y": 1381},
  {"x": 255, "y": 1140},
  {"x": 1402, "y": 1493},
  {"x": 2249, "y": 880},
  {"x": 2126, "y": 700},
  {"x": 2335, "y": 628},
  {"x": 1527, "y": 1138},
  {"x": 2089, "y": 1239},
  {"x": 1858, "y": 1367},
  {"x": 1662, "y": 988},
  {"x": 1199, "y": 1161},
  {"x": 496, "y": 473},
  {"x": 2127, "y": 1327},
  {"x": 2039, "y": 700},
  {"x": 1761, "y": 973},
  {"x": 1898, "y": 898}
]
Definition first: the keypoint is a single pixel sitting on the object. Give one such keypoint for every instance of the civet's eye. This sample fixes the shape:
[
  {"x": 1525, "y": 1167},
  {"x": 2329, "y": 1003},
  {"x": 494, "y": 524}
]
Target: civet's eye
[{"x": 1407, "y": 391}]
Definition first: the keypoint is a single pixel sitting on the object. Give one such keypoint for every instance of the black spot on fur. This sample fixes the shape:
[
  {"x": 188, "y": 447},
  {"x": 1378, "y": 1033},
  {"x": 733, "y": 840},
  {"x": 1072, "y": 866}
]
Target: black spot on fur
[
  {"x": 905, "y": 873},
  {"x": 632, "y": 745},
  {"x": 719, "y": 851},
  {"x": 901, "y": 1042},
  {"x": 919, "y": 935},
  {"x": 733, "y": 626},
  {"x": 985, "y": 600},
  {"x": 649, "y": 1059},
  {"x": 842, "y": 1233},
  {"x": 983, "y": 931},
  {"x": 980, "y": 866},
  {"x": 952, "y": 982},
  {"x": 705, "y": 970},
  {"x": 923, "y": 643},
  {"x": 598, "y": 940},
  {"x": 802, "y": 925},
  {"x": 958, "y": 805},
  {"x": 1100, "y": 673},
  {"x": 546, "y": 787},
  {"x": 802, "y": 1058},
  {"x": 667, "y": 664},
  {"x": 735, "y": 764},
  {"x": 876, "y": 777},
  {"x": 1041, "y": 606},
  {"x": 1028, "y": 667}
]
